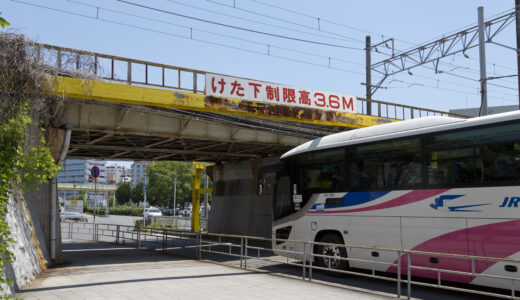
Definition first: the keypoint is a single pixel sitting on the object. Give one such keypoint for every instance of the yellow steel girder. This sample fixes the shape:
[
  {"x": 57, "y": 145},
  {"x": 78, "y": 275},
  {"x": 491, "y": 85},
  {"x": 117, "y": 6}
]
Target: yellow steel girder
[{"x": 122, "y": 93}]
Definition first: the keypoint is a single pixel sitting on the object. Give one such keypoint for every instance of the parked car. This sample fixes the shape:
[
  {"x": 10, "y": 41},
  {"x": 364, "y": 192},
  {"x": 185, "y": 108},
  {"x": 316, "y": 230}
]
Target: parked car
[
  {"x": 188, "y": 211},
  {"x": 73, "y": 217},
  {"x": 167, "y": 211},
  {"x": 151, "y": 212}
]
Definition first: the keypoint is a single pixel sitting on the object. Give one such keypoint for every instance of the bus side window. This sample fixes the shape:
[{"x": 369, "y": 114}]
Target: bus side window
[
  {"x": 436, "y": 175},
  {"x": 366, "y": 173},
  {"x": 454, "y": 166},
  {"x": 501, "y": 162}
]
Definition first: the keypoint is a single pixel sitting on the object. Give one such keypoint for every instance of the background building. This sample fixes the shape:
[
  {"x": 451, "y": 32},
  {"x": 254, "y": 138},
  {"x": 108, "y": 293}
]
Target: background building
[
  {"x": 77, "y": 171},
  {"x": 474, "y": 112},
  {"x": 118, "y": 174},
  {"x": 138, "y": 172}
]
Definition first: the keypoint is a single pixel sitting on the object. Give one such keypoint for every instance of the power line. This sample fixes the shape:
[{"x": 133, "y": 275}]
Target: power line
[
  {"x": 188, "y": 38},
  {"x": 313, "y": 17},
  {"x": 459, "y": 29},
  {"x": 345, "y": 39},
  {"x": 237, "y": 27},
  {"x": 363, "y": 30},
  {"x": 268, "y": 46},
  {"x": 284, "y": 20},
  {"x": 411, "y": 84}
]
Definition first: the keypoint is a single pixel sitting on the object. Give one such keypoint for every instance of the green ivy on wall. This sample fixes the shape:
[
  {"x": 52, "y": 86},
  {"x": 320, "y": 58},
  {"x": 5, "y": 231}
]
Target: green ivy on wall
[{"x": 25, "y": 160}]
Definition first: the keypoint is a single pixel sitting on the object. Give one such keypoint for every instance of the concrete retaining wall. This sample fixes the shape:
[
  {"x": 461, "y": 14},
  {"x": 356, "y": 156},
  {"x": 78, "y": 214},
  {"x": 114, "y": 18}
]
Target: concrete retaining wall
[
  {"x": 29, "y": 217},
  {"x": 236, "y": 208},
  {"x": 29, "y": 257}
]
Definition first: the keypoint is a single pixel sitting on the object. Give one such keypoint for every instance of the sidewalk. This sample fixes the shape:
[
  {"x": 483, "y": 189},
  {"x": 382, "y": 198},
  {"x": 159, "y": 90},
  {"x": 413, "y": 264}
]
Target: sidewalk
[{"x": 108, "y": 271}]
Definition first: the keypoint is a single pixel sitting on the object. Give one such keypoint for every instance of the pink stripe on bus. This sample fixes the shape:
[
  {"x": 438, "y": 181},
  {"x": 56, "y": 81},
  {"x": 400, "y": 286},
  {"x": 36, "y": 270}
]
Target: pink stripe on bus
[
  {"x": 413, "y": 196},
  {"x": 498, "y": 240}
]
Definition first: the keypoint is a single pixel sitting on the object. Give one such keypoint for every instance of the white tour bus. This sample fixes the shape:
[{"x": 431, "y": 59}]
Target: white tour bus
[{"x": 434, "y": 184}]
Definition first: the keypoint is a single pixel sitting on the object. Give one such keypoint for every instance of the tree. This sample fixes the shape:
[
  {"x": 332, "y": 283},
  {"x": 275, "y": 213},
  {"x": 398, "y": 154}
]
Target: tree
[
  {"x": 161, "y": 177},
  {"x": 123, "y": 193},
  {"x": 137, "y": 194},
  {"x": 3, "y": 22}
]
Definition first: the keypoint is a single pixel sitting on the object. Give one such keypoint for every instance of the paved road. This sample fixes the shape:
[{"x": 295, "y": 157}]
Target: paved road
[
  {"x": 112, "y": 219},
  {"x": 99, "y": 266},
  {"x": 106, "y": 271}
]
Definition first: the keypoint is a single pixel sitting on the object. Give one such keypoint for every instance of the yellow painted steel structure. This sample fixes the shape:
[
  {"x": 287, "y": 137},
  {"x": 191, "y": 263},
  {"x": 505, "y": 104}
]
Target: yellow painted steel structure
[
  {"x": 129, "y": 94},
  {"x": 198, "y": 168}
]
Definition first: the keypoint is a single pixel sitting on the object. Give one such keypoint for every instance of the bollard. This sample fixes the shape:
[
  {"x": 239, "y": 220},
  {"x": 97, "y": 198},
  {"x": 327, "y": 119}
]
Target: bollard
[{"x": 117, "y": 236}]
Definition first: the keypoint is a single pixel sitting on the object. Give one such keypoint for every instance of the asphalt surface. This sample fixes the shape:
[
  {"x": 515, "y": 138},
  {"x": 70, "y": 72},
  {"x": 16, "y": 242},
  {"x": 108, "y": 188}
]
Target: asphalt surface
[
  {"x": 111, "y": 219},
  {"x": 107, "y": 271}
]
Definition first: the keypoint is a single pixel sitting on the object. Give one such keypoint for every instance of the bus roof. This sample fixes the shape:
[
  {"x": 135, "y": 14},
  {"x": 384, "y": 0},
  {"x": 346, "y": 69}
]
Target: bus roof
[{"x": 396, "y": 130}]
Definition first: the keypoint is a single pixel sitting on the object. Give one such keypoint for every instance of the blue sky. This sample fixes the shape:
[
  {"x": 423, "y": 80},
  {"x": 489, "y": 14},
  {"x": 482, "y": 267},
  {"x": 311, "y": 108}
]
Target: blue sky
[{"x": 342, "y": 23}]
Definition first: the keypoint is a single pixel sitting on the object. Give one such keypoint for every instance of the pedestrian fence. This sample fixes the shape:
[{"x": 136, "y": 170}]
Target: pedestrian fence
[
  {"x": 178, "y": 223},
  {"x": 251, "y": 250}
]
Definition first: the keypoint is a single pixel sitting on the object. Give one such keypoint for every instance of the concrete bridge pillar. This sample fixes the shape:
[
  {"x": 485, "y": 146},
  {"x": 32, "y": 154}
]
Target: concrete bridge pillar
[
  {"x": 43, "y": 203},
  {"x": 236, "y": 207}
]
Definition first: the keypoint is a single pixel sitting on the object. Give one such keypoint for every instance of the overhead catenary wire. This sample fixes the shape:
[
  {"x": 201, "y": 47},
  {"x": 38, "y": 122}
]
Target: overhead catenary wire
[
  {"x": 411, "y": 84},
  {"x": 238, "y": 27},
  {"x": 370, "y": 32},
  {"x": 344, "y": 39},
  {"x": 284, "y": 21},
  {"x": 187, "y": 37},
  {"x": 217, "y": 34}
]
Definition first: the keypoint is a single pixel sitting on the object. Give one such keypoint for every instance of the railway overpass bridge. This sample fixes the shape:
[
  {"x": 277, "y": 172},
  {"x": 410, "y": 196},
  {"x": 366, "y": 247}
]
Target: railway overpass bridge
[{"x": 120, "y": 108}]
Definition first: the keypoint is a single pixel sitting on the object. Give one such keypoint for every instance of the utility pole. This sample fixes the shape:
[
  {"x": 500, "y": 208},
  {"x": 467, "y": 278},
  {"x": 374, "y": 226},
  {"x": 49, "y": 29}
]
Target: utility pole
[
  {"x": 369, "y": 74},
  {"x": 517, "y": 15},
  {"x": 482, "y": 55}
]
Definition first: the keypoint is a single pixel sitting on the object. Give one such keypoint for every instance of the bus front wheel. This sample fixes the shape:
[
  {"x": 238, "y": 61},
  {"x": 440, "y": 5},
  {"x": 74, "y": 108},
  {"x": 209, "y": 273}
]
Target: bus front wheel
[{"x": 332, "y": 254}]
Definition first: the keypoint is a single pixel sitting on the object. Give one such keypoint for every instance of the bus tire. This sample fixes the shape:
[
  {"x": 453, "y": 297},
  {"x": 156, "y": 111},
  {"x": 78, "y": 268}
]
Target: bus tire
[{"x": 334, "y": 251}]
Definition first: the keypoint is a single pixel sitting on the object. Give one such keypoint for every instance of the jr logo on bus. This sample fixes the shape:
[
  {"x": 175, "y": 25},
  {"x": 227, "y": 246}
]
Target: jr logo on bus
[
  {"x": 510, "y": 202},
  {"x": 441, "y": 203}
]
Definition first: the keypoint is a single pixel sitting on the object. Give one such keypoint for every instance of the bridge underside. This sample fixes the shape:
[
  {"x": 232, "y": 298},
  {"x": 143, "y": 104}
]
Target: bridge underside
[
  {"x": 108, "y": 130},
  {"x": 130, "y": 122}
]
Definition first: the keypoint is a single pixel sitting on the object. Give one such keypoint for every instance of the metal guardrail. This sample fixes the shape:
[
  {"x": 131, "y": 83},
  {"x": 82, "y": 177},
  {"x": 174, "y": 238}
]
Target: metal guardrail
[
  {"x": 177, "y": 223},
  {"x": 139, "y": 72},
  {"x": 246, "y": 249}
]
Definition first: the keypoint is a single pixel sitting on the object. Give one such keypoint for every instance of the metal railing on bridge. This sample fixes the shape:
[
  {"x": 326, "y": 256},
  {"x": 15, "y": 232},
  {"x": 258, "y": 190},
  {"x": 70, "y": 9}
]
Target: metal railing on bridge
[
  {"x": 139, "y": 72},
  {"x": 256, "y": 252}
]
